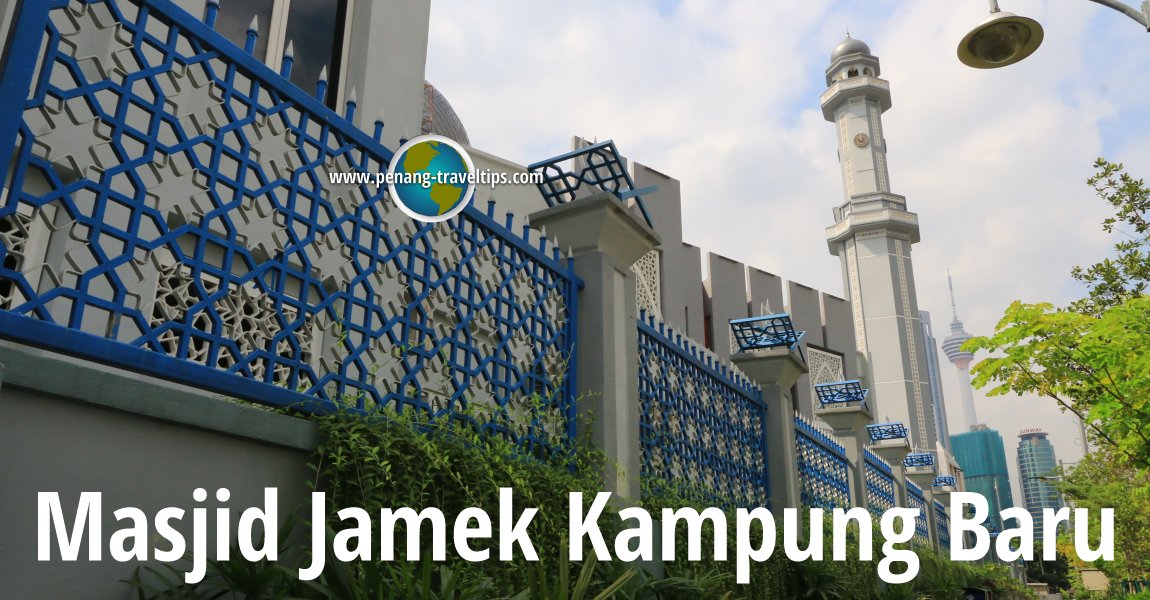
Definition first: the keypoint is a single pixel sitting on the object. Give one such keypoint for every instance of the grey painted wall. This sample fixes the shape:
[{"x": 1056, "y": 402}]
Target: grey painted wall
[
  {"x": 726, "y": 299},
  {"x": 666, "y": 209},
  {"x": 839, "y": 331},
  {"x": 71, "y": 427},
  {"x": 766, "y": 292}
]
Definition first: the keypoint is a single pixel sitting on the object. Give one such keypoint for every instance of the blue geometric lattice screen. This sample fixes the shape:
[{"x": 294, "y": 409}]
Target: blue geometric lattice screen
[
  {"x": 917, "y": 500},
  {"x": 170, "y": 211},
  {"x": 824, "y": 471},
  {"x": 703, "y": 423},
  {"x": 880, "y": 484}
]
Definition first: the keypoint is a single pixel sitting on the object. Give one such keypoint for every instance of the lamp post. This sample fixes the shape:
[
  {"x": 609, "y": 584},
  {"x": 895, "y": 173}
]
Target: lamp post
[{"x": 1005, "y": 38}]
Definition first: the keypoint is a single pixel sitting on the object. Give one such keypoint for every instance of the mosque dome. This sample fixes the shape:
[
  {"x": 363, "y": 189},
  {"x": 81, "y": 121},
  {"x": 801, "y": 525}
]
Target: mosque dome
[
  {"x": 849, "y": 46},
  {"x": 440, "y": 118}
]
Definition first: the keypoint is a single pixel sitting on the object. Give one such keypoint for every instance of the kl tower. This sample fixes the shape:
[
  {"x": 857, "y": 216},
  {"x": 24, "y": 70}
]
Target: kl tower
[{"x": 952, "y": 347}]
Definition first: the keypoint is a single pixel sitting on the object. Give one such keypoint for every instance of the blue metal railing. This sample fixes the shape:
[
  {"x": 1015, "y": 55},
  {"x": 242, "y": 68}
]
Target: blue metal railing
[
  {"x": 942, "y": 524},
  {"x": 918, "y": 459},
  {"x": 190, "y": 231},
  {"x": 703, "y": 423},
  {"x": 841, "y": 393},
  {"x": 879, "y": 484},
  {"x": 917, "y": 500},
  {"x": 944, "y": 480},
  {"x": 598, "y": 166},
  {"x": 824, "y": 475},
  {"x": 886, "y": 431},
  {"x": 761, "y": 333}
]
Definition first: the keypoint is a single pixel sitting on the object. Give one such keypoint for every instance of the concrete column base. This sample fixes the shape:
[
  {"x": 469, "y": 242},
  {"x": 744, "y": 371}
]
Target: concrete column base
[
  {"x": 894, "y": 453},
  {"x": 776, "y": 370},
  {"x": 605, "y": 239},
  {"x": 849, "y": 425}
]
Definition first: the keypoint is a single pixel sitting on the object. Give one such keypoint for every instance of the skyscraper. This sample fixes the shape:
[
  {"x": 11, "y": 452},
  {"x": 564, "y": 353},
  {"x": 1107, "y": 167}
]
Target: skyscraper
[
  {"x": 960, "y": 358},
  {"x": 930, "y": 346},
  {"x": 872, "y": 236},
  {"x": 982, "y": 456},
  {"x": 1036, "y": 463}
]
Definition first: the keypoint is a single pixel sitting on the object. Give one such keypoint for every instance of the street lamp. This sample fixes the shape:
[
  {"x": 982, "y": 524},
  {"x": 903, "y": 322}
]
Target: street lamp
[{"x": 1005, "y": 38}]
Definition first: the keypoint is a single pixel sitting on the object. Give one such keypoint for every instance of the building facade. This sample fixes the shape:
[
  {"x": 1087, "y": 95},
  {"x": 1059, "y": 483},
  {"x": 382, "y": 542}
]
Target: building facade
[
  {"x": 982, "y": 456},
  {"x": 938, "y": 399},
  {"x": 1036, "y": 467}
]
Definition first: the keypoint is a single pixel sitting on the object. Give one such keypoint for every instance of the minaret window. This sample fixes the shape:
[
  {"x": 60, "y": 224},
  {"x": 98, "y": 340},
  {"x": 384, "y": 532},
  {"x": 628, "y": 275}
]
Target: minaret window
[
  {"x": 853, "y": 73},
  {"x": 867, "y": 72},
  {"x": 317, "y": 30}
]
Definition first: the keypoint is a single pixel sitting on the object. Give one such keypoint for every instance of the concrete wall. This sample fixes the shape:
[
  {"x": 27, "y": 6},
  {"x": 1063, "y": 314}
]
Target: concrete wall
[
  {"x": 386, "y": 56},
  {"x": 518, "y": 199},
  {"x": 690, "y": 270},
  {"x": 726, "y": 299},
  {"x": 766, "y": 297},
  {"x": 679, "y": 282},
  {"x": 386, "y": 60},
  {"x": 72, "y": 427}
]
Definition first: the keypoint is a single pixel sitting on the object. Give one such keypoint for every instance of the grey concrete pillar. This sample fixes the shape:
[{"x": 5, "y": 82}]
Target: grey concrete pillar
[
  {"x": 848, "y": 422},
  {"x": 776, "y": 371},
  {"x": 923, "y": 477},
  {"x": 605, "y": 239}
]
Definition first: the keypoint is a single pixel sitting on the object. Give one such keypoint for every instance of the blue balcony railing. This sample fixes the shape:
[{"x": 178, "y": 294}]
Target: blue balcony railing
[
  {"x": 918, "y": 459},
  {"x": 841, "y": 393},
  {"x": 597, "y": 166},
  {"x": 944, "y": 481},
  {"x": 886, "y": 432},
  {"x": 765, "y": 332}
]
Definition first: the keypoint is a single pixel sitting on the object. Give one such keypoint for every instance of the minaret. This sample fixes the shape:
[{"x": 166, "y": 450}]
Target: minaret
[
  {"x": 872, "y": 236},
  {"x": 952, "y": 347}
]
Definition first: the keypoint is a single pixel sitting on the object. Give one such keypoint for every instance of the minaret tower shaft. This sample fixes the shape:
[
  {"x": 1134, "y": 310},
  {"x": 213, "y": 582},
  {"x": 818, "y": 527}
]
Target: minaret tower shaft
[
  {"x": 952, "y": 347},
  {"x": 872, "y": 236}
]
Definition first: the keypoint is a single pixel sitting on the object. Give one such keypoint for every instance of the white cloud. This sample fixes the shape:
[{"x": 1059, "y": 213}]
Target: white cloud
[{"x": 723, "y": 94}]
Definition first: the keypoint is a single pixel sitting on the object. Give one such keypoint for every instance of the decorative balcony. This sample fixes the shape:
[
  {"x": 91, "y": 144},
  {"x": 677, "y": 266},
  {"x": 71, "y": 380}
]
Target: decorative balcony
[
  {"x": 762, "y": 333},
  {"x": 886, "y": 432},
  {"x": 918, "y": 460},
  {"x": 944, "y": 481},
  {"x": 598, "y": 166},
  {"x": 841, "y": 393}
]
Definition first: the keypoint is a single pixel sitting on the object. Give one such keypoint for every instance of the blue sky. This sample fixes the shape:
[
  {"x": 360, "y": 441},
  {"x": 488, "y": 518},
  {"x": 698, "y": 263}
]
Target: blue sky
[{"x": 723, "y": 95}]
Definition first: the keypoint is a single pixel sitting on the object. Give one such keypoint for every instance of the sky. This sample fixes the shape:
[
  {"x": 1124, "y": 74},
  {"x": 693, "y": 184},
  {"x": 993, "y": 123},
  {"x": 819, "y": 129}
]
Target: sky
[{"x": 724, "y": 96}]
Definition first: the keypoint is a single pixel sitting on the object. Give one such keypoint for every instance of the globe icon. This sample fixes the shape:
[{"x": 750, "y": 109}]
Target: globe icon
[{"x": 431, "y": 178}]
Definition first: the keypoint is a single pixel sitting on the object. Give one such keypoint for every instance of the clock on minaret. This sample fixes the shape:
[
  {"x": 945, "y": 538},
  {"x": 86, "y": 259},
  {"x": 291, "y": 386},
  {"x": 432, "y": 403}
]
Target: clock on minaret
[{"x": 861, "y": 140}]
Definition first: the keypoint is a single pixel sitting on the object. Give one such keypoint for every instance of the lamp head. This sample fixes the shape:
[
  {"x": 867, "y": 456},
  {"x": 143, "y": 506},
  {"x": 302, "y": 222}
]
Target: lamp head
[{"x": 1001, "y": 39}]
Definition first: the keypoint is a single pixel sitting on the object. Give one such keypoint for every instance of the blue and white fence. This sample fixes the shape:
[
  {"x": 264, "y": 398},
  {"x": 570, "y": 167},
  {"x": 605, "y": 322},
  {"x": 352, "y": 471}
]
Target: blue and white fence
[
  {"x": 703, "y": 423},
  {"x": 169, "y": 211},
  {"x": 880, "y": 484},
  {"x": 824, "y": 470},
  {"x": 917, "y": 500},
  {"x": 942, "y": 524}
]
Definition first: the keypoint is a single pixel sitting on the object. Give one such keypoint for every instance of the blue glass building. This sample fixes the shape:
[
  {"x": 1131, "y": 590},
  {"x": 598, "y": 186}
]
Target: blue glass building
[
  {"x": 1036, "y": 464},
  {"x": 982, "y": 456}
]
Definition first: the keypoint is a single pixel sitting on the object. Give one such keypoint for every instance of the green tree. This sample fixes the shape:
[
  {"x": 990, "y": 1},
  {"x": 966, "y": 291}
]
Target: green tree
[
  {"x": 1102, "y": 481},
  {"x": 1115, "y": 280},
  {"x": 1092, "y": 357}
]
